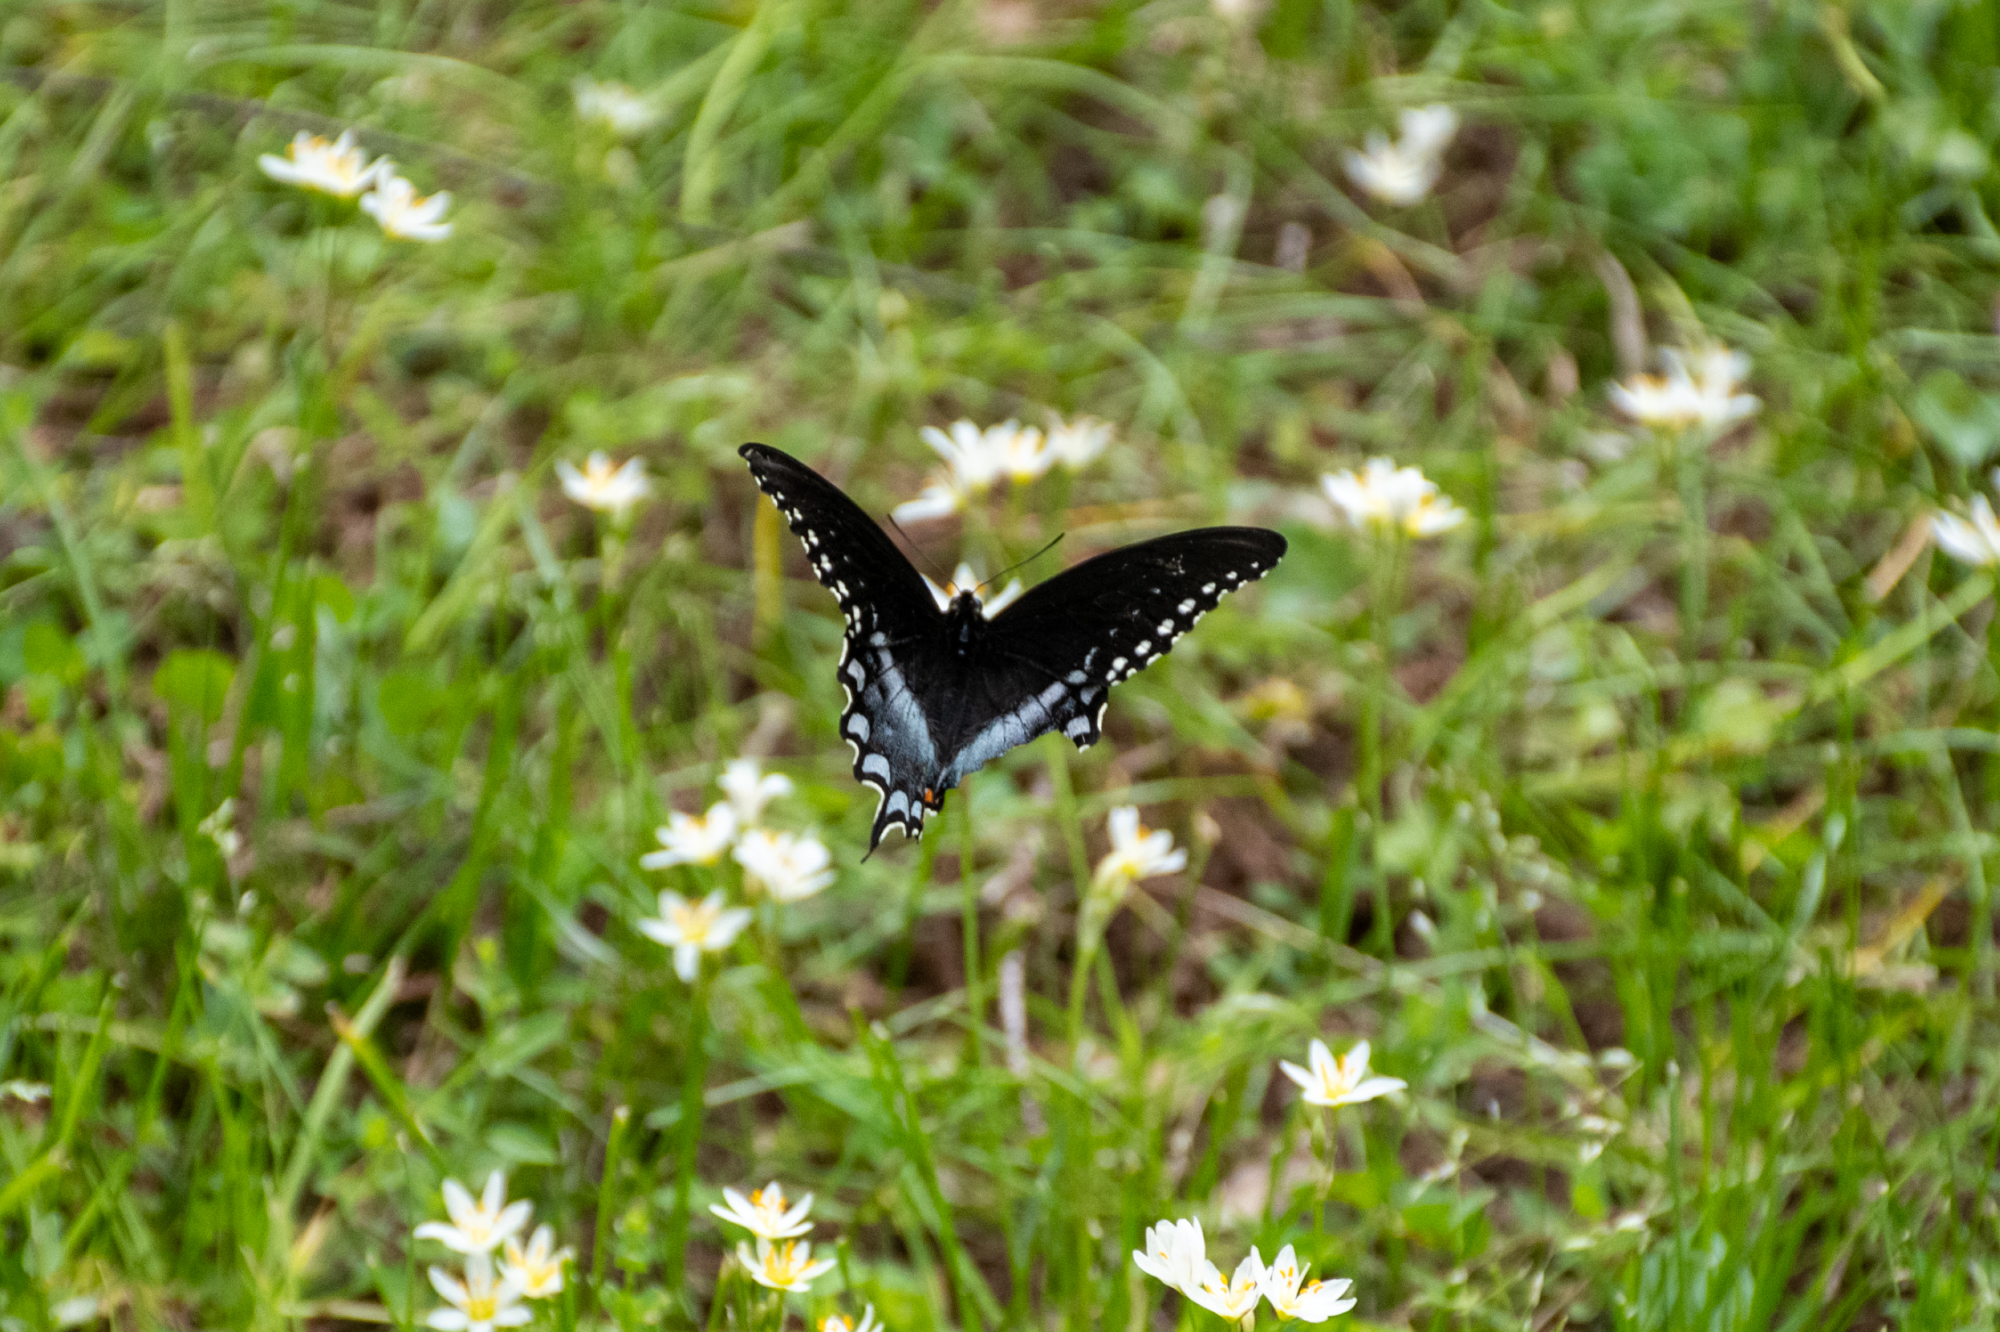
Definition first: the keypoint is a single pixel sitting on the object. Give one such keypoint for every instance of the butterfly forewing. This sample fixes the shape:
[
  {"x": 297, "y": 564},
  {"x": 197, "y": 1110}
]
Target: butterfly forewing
[
  {"x": 1108, "y": 618},
  {"x": 878, "y": 589},
  {"x": 888, "y": 661}
]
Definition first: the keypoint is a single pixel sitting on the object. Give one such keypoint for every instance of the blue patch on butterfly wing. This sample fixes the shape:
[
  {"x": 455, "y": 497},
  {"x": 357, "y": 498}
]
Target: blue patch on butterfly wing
[
  {"x": 885, "y": 725},
  {"x": 1045, "y": 710}
]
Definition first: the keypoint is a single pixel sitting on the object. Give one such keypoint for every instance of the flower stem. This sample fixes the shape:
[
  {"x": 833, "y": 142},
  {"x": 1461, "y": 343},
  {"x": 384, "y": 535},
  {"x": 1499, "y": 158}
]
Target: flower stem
[
  {"x": 1010, "y": 523},
  {"x": 607, "y": 1200},
  {"x": 777, "y": 981},
  {"x": 692, "y": 1081},
  {"x": 1982, "y": 891},
  {"x": 610, "y": 567},
  {"x": 606, "y": 617},
  {"x": 1079, "y": 976},
  {"x": 1325, "y": 1146},
  {"x": 975, "y": 985},
  {"x": 975, "y": 539},
  {"x": 1691, "y": 475},
  {"x": 913, "y": 905},
  {"x": 1383, "y": 578},
  {"x": 1079, "y": 864}
]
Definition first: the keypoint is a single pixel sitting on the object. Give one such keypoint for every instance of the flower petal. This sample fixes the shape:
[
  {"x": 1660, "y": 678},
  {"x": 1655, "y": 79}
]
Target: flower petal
[{"x": 1370, "y": 1088}]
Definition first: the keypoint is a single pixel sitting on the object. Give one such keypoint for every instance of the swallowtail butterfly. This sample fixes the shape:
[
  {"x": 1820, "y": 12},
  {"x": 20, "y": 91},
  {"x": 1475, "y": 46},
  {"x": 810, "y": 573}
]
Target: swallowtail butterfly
[{"x": 933, "y": 695}]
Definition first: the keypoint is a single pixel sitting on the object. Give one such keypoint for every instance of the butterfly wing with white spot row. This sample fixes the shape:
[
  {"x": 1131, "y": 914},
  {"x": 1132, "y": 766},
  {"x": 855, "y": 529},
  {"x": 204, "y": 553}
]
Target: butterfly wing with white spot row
[
  {"x": 1089, "y": 627},
  {"x": 878, "y": 588},
  {"x": 894, "y": 631}
]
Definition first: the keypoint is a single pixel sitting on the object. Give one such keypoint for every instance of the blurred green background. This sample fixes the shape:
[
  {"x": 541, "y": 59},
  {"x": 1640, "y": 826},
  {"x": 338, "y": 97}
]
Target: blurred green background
[{"x": 1672, "y": 903}]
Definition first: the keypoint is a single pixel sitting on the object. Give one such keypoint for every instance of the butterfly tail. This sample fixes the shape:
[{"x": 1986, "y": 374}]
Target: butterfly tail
[{"x": 908, "y": 817}]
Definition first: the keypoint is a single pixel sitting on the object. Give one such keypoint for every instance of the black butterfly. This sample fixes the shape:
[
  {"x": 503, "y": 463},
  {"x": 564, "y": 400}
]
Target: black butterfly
[{"x": 933, "y": 695}]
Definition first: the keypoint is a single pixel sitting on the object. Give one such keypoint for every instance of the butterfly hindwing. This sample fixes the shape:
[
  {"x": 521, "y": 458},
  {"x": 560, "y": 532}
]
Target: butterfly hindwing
[
  {"x": 890, "y": 723},
  {"x": 894, "y": 632}
]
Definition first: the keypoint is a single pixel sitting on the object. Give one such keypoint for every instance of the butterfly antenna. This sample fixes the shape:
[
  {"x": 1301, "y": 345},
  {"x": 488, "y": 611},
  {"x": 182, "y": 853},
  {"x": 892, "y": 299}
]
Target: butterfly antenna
[
  {"x": 943, "y": 578},
  {"x": 1019, "y": 563}
]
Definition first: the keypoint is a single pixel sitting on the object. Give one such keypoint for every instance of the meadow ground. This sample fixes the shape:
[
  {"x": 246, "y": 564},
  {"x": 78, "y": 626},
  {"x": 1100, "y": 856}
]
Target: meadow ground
[{"x": 1642, "y": 822}]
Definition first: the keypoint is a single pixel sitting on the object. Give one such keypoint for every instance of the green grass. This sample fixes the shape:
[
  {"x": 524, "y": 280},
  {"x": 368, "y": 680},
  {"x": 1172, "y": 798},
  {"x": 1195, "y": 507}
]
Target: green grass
[{"x": 1685, "y": 830}]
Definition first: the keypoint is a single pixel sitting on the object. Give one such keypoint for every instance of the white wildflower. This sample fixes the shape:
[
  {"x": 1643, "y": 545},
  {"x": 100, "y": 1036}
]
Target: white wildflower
[
  {"x": 1384, "y": 496},
  {"x": 1023, "y": 454},
  {"x": 479, "y": 1303},
  {"x": 1404, "y": 170},
  {"x": 1175, "y": 1254},
  {"x": 939, "y": 499},
  {"x": 789, "y": 867},
  {"x": 974, "y": 460},
  {"x": 478, "y": 1225},
  {"x": 749, "y": 788},
  {"x": 1074, "y": 444},
  {"x": 217, "y": 828},
  {"x": 689, "y": 839},
  {"x": 963, "y": 579},
  {"x": 764, "y": 1213},
  {"x": 1663, "y": 400},
  {"x": 75, "y": 1310},
  {"x": 1975, "y": 540},
  {"x": 603, "y": 487},
  {"x": 786, "y": 1266},
  {"x": 537, "y": 1271},
  {"x": 615, "y": 106},
  {"x": 1427, "y": 129},
  {"x": 1342, "y": 1081},
  {"x": 337, "y": 168},
  {"x": 1315, "y": 1303},
  {"x": 972, "y": 457},
  {"x": 402, "y": 213},
  {"x": 1137, "y": 852},
  {"x": 694, "y": 928},
  {"x": 1699, "y": 388},
  {"x": 1235, "y": 1298},
  {"x": 842, "y": 1323}
]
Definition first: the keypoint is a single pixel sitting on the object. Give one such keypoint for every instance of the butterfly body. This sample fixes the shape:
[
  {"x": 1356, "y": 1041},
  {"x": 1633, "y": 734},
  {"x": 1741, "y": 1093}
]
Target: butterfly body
[{"x": 934, "y": 694}]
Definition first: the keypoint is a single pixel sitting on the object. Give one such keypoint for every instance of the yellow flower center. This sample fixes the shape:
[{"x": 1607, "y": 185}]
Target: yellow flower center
[
  {"x": 694, "y": 923},
  {"x": 345, "y": 165},
  {"x": 784, "y": 1263}
]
